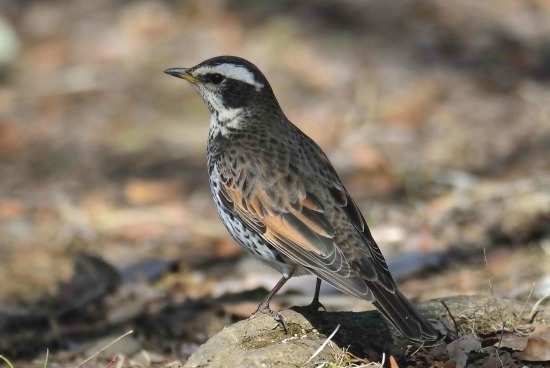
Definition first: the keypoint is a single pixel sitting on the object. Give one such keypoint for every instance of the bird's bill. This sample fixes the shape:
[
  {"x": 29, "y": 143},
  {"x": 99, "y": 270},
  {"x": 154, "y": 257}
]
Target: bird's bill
[{"x": 182, "y": 73}]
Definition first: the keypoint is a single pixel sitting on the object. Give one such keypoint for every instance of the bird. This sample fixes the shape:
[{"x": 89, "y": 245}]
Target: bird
[{"x": 281, "y": 199}]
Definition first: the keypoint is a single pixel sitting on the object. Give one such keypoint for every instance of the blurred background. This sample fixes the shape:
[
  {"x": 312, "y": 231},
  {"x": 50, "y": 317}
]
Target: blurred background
[{"x": 436, "y": 115}]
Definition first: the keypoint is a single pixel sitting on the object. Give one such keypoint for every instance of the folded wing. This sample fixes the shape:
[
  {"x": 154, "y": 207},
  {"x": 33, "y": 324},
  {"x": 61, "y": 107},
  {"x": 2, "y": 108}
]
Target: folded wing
[{"x": 319, "y": 226}]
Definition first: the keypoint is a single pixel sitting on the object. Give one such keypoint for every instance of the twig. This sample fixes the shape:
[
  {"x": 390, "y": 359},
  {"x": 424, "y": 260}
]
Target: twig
[
  {"x": 527, "y": 301},
  {"x": 535, "y": 307},
  {"x": 496, "y": 306},
  {"x": 113, "y": 361},
  {"x": 323, "y": 344},
  {"x": 418, "y": 349},
  {"x": 452, "y": 317},
  {"x": 103, "y": 348}
]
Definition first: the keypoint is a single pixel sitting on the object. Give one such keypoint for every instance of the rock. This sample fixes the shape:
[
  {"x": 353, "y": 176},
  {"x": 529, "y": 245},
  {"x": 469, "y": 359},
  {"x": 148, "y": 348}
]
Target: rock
[{"x": 261, "y": 341}]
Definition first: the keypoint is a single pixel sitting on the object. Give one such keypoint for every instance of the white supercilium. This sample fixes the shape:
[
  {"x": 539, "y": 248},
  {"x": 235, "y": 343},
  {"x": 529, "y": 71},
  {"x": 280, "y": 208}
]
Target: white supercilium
[{"x": 231, "y": 71}]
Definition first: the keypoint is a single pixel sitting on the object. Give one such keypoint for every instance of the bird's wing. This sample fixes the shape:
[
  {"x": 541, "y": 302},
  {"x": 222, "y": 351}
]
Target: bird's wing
[
  {"x": 297, "y": 216},
  {"x": 290, "y": 219}
]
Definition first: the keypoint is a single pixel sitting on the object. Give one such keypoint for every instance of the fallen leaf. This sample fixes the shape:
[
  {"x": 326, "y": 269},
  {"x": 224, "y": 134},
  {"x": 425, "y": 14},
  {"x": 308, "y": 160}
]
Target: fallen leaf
[
  {"x": 538, "y": 345},
  {"x": 512, "y": 341},
  {"x": 459, "y": 349},
  {"x": 492, "y": 361}
]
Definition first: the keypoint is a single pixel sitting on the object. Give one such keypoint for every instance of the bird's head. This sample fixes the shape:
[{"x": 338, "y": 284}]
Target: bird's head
[{"x": 229, "y": 85}]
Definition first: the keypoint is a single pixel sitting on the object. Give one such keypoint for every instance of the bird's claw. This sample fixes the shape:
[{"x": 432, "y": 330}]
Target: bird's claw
[{"x": 264, "y": 309}]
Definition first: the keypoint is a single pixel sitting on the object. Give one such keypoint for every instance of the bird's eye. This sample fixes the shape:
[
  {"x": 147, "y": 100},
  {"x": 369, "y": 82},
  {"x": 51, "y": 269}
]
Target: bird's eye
[{"x": 216, "y": 78}]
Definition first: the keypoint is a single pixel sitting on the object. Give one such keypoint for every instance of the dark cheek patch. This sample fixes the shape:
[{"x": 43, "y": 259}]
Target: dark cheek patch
[{"x": 236, "y": 93}]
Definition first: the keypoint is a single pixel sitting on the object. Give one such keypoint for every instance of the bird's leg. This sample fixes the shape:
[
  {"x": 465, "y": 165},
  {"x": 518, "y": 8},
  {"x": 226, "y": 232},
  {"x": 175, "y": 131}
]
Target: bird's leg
[
  {"x": 315, "y": 303},
  {"x": 264, "y": 305}
]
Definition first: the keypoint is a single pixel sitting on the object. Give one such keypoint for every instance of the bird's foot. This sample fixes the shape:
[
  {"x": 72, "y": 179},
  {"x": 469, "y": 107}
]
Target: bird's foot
[
  {"x": 315, "y": 306},
  {"x": 264, "y": 309}
]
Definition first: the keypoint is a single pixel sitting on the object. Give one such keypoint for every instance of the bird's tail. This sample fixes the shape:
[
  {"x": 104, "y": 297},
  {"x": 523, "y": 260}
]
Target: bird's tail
[{"x": 402, "y": 314}]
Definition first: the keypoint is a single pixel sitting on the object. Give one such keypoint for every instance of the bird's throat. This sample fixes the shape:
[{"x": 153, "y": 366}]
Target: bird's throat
[{"x": 226, "y": 121}]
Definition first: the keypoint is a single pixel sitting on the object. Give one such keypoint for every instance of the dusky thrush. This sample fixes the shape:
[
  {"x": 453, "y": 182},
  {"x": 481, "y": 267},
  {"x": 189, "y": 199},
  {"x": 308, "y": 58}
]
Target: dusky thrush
[{"x": 280, "y": 198}]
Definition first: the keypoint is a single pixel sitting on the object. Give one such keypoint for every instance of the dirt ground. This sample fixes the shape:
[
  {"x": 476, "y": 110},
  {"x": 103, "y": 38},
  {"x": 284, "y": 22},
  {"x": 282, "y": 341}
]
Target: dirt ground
[{"x": 437, "y": 118}]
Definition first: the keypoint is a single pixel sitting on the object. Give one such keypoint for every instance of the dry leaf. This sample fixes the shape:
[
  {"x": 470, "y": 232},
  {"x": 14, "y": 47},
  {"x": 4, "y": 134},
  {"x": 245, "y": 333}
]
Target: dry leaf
[
  {"x": 538, "y": 345},
  {"x": 459, "y": 349},
  {"x": 512, "y": 341},
  {"x": 492, "y": 361}
]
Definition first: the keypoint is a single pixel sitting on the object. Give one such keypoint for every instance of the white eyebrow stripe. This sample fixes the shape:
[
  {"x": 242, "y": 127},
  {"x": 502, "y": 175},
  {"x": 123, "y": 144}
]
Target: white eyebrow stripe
[{"x": 231, "y": 71}]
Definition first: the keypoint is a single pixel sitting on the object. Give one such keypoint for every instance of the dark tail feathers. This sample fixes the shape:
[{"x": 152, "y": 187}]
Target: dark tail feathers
[{"x": 402, "y": 314}]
